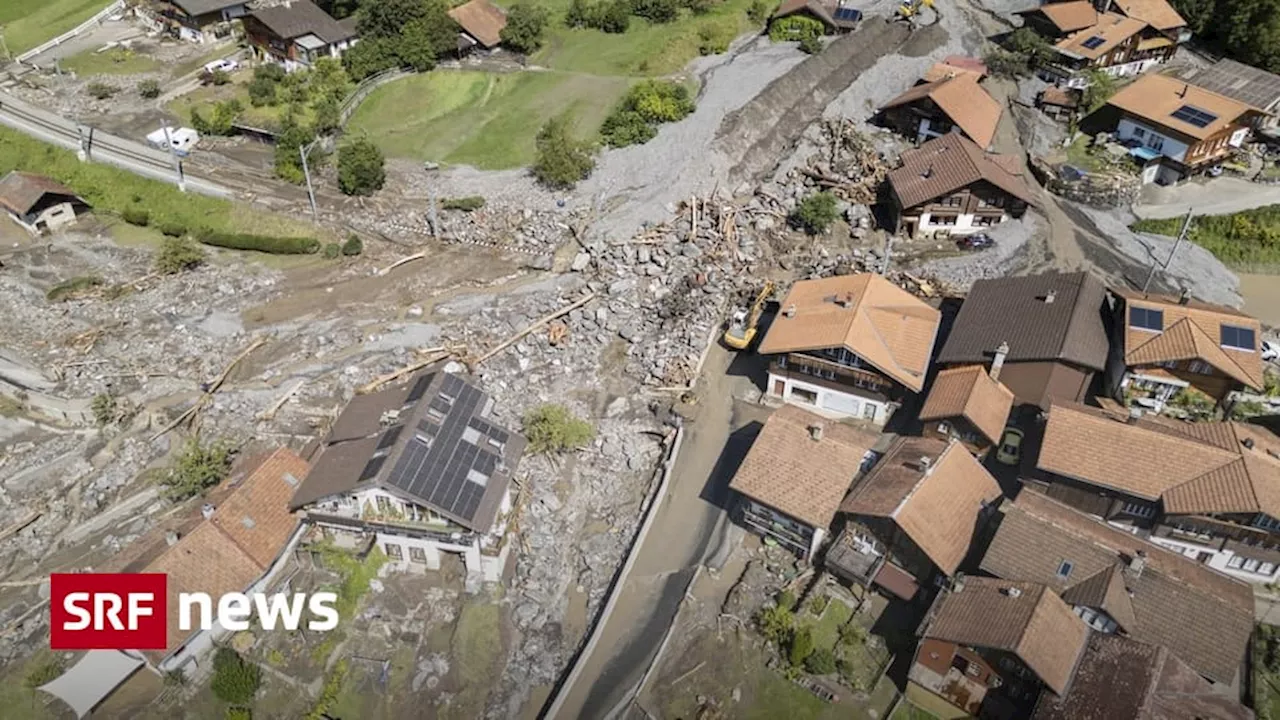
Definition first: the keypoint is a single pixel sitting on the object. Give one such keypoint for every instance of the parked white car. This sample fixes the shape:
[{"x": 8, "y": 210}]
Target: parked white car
[
  {"x": 223, "y": 65},
  {"x": 1270, "y": 351}
]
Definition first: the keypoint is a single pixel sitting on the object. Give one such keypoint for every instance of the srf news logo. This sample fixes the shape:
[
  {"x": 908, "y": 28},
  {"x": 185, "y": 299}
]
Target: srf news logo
[{"x": 130, "y": 611}]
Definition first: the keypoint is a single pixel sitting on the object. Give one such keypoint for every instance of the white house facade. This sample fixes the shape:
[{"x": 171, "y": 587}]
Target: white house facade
[{"x": 827, "y": 400}]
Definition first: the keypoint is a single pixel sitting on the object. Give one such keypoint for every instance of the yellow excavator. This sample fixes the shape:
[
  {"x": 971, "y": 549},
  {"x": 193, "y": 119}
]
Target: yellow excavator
[
  {"x": 910, "y": 8},
  {"x": 742, "y": 324}
]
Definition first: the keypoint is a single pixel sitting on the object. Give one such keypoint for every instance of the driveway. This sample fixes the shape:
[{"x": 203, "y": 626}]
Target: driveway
[
  {"x": 688, "y": 530},
  {"x": 1219, "y": 196}
]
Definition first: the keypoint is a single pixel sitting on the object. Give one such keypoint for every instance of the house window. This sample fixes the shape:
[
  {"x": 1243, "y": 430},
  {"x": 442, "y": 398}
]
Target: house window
[
  {"x": 1238, "y": 338},
  {"x": 1139, "y": 132},
  {"x": 953, "y": 201},
  {"x": 1266, "y": 568},
  {"x": 944, "y": 427},
  {"x": 1266, "y": 522},
  {"x": 1141, "y": 510},
  {"x": 974, "y": 670},
  {"x": 804, "y": 396},
  {"x": 1155, "y": 142},
  {"x": 1200, "y": 366},
  {"x": 1251, "y": 565},
  {"x": 384, "y": 504},
  {"x": 1235, "y": 561},
  {"x": 1146, "y": 319},
  {"x": 1168, "y": 364},
  {"x": 418, "y": 555},
  {"x": 1064, "y": 570},
  {"x": 943, "y": 219},
  {"x": 393, "y": 551},
  {"x": 985, "y": 220}
]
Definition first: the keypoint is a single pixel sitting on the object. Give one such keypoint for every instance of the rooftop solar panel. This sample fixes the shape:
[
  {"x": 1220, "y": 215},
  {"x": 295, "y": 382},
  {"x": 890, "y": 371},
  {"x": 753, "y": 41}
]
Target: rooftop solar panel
[
  {"x": 419, "y": 389},
  {"x": 1193, "y": 115},
  {"x": 848, "y": 14},
  {"x": 372, "y": 467},
  {"x": 389, "y": 437},
  {"x": 1094, "y": 42}
]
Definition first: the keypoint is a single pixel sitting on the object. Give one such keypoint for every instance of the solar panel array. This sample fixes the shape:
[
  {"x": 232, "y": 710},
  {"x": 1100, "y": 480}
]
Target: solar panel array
[
  {"x": 1251, "y": 85},
  {"x": 848, "y": 14},
  {"x": 419, "y": 389},
  {"x": 1093, "y": 43},
  {"x": 437, "y": 461},
  {"x": 1193, "y": 115}
]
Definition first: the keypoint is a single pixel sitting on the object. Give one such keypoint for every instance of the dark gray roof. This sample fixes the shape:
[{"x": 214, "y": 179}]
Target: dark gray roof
[
  {"x": 302, "y": 17},
  {"x": 428, "y": 441},
  {"x": 196, "y": 8},
  {"x": 1016, "y": 310},
  {"x": 1238, "y": 81},
  {"x": 20, "y": 192}
]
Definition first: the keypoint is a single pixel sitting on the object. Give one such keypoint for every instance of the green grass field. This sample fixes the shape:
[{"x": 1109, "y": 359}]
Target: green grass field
[
  {"x": 488, "y": 120},
  {"x": 117, "y": 61},
  {"x": 27, "y": 23}
]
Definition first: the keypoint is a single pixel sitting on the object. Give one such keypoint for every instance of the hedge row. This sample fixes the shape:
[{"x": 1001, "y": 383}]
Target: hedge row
[{"x": 261, "y": 243}]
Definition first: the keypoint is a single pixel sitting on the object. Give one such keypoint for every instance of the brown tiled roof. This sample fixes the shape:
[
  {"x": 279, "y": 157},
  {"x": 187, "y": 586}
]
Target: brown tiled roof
[
  {"x": 19, "y": 191},
  {"x": 789, "y": 471},
  {"x": 1104, "y": 590},
  {"x": 1119, "y": 677},
  {"x": 963, "y": 100},
  {"x": 1192, "y": 331},
  {"x": 1014, "y": 310},
  {"x": 302, "y": 17},
  {"x": 954, "y": 65},
  {"x": 1060, "y": 97},
  {"x": 1111, "y": 28},
  {"x": 946, "y": 164},
  {"x": 1203, "y": 616},
  {"x": 1070, "y": 16},
  {"x": 865, "y": 314},
  {"x": 1154, "y": 98},
  {"x": 481, "y": 20},
  {"x": 1023, "y": 618},
  {"x": 938, "y": 508},
  {"x": 1159, "y": 14},
  {"x": 969, "y": 392},
  {"x": 256, "y": 514}
]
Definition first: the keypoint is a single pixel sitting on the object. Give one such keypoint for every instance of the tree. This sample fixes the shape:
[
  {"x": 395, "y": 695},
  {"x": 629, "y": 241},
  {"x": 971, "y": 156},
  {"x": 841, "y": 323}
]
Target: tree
[
  {"x": 387, "y": 18},
  {"x": 820, "y": 662},
  {"x": 699, "y": 7},
  {"x": 561, "y": 159},
  {"x": 645, "y": 105},
  {"x": 370, "y": 56},
  {"x": 626, "y": 127},
  {"x": 578, "y": 15},
  {"x": 328, "y": 115},
  {"x": 553, "y": 428},
  {"x": 196, "y": 469},
  {"x": 339, "y": 9},
  {"x": 775, "y": 623},
  {"x": 416, "y": 48},
  {"x": 178, "y": 254},
  {"x": 612, "y": 16},
  {"x": 524, "y": 28},
  {"x": 1028, "y": 44},
  {"x": 149, "y": 89},
  {"x": 1100, "y": 89},
  {"x": 801, "y": 647},
  {"x": 361, "y": 168},
  {"x": 289, "y": 142},
  {"x": 353, "y": 246},
  {"x": 235, "y": 680},
  {"x": 815, "y": 213},
  {"x": 758, "y": 13},
  {"x": 1002, "y": 63}
]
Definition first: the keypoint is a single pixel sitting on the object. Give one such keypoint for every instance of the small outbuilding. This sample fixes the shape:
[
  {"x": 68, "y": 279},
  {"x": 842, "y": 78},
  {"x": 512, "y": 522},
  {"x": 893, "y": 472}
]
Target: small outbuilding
[
  {"x": 836, "y": 16},
  {"x": 38, "y": 203},
  {"x": 481, "y": 22}
]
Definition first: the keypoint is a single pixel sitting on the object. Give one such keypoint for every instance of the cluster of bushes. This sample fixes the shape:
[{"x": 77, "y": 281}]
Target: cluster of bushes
[
  {"x": 197, "y": 468},
  {"x": 149, "y": 89},
  {"x": 636, "y": 118},
  {"x": 561, "y": 159},
  {"x": 798, "y": 28},
  {"x": 220, "y": 120},
  {"x": 553, "y": 428},
  {"x": 235, "y": 680},
  {"x": 177, "y": 256},
  {"x": 1246, "y": 238},
  {"x": 614, "y": 16},
  {"x": 101, "y": 90},
  {"x": 465, "y": 204},
  {"x": 361, "y": 168},
  {"x": 798, "y": 647},
  {"x": 353, "y": 246},
  {"x": 261, "y": 243}
]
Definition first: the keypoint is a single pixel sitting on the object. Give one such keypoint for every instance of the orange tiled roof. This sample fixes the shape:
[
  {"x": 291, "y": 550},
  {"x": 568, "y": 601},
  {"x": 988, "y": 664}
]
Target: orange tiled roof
[
  {"x": 1111, "y": 29},
  {"x": 937, "y": 507},
  {"x": 865, "y": 314},
  {"x": 1071, "y": 16},
  {"x": 481, "y": 20},
  {"x": 969, "y": 392},
  {"x": 1023, "y": 618},
  {"x": 954, "y": 65},
  {"x": 788, "y": 470},
  {"x": 1192, "y": 331},
  {"x": 1155, "y": 98},
  {"x": 1194, "y": 468},
  {"x": 1156, "y": 13},
  {"x": 946, "y": 164},
  {"x": 963, "y": 100}
]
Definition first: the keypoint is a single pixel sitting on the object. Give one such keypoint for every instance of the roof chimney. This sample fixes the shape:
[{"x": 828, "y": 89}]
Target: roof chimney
[
  {"x": 1135, "y": 414},
  {"x": 1013, "y": 592},
  {"x": 1050, "y": 296},
  {"x": 1184, "y": 297},
  {"x": 1247, "y": 442},
  {"x": 924, "y": 463},
  {"x": 928, "y": 172},
  {"x": 790, "y": 311},
  {"x": 171, "y": 538},
  {"x": 1137, "y": 563},
  {"x": 1185, "y": 87},
  {"x": 207, "y": 510},
  {"x": 815, "y": 431},
  {"x": 998, "y": 361}
]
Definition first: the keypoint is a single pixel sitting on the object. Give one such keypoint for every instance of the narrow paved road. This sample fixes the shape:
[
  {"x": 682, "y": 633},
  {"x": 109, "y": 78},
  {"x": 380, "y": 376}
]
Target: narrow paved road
[
  {"x": 1219, "y": 196},
  {"x": 686, "y": 532}
]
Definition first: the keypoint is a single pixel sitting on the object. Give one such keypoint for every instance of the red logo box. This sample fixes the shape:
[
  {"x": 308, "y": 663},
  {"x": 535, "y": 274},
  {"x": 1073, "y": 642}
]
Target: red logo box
[{"x": 100, "y": 611}]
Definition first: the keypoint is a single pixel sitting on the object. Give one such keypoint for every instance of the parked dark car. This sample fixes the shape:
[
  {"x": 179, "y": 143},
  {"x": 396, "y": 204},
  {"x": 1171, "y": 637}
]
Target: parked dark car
[{"x": 979, "y": 241}]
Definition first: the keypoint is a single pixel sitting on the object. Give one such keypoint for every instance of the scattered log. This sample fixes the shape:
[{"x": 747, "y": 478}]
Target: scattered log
[
  {"x": 270, "y": 412},
  {"x": 472, "y": 363},
  {"x": 209, "y": 390},
  {"x": 401, "y": 261},
  {"x": 436, "y": 355}
]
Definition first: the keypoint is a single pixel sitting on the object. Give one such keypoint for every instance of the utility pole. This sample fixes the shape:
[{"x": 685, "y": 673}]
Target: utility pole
[
  {"x": 4, "y": 46},
  {"x": 306, "y": 172},
  {"x": 1182, "y": 235},
  {"x": 177, "y": 162}
]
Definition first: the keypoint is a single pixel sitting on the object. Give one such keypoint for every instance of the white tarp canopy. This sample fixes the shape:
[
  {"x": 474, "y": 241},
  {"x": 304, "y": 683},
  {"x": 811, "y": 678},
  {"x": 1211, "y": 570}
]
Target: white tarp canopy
[
  {"x": 91, "y": 680},
  {"x": 181, "y": 139}
]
